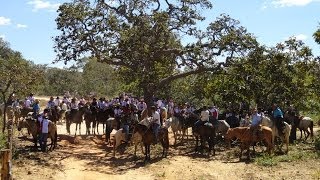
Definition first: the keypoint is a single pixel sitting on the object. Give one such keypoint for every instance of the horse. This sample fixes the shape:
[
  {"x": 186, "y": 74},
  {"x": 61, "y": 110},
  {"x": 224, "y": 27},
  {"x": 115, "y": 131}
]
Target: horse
[
  {"x": 244, "y": 134},
  {"x": 233, "y": 121},
  {"x": 102, "y": 116},
  {"x": 110, "y": 125},
  {"x": 303, "y": 125},
  {"x": 145, "y": 130},
  {"x": 75, "y": 117},
  {"x": 222, "y": 127},
  {"x": 89, "y": 118},
  {"x": 206, "y": 133},
  {"x": 54, "y": 114},
  {"x": 32, "y": 127},
  {"x": 286, "y": 134},
  {"x": 176, "y": 126}
]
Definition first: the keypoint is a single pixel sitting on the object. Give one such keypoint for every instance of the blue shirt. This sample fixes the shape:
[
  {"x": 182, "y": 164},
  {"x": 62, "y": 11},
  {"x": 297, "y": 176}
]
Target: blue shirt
[
  {"x": 256, "y": 119},
  {"x": 36, "y": 108},
  {"x": 277, "y": 113}
]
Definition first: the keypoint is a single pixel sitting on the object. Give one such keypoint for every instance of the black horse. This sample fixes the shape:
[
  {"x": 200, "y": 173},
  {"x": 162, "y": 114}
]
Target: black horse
[
  {"x": 206, "y": 133},
  {"x": 75, "y": 116}
]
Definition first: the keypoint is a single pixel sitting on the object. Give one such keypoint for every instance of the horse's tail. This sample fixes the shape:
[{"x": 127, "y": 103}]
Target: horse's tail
[{"x": 311, "y": 129}]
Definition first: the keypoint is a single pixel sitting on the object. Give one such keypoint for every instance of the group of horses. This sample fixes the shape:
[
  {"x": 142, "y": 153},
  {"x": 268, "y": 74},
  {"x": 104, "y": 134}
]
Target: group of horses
[{"x": 141, "y": 131}]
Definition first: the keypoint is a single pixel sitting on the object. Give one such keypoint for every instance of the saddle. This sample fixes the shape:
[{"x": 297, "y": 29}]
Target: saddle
[{"x": 208, "y": 124}]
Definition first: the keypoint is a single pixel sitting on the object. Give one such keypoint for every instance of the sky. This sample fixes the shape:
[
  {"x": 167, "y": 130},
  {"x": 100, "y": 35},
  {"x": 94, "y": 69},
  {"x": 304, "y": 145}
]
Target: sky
[{"x": 29, "y": 25}]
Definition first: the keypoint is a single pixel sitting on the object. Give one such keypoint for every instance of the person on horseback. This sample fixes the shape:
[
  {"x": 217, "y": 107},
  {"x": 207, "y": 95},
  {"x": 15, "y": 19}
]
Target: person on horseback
[
  {"x": 278, "y": 118},
  {"x": 36, "y": 108},
  {"x": 204, "y": 117},
  {"x": 31, "y": 98},
  {"x": 117, "y": 115},
  {"x": 51, "y": 103},
  {"x": 256, "y": 121},
  {"x": 57, "y": 102},
  {"x": 214, "y": 113},
  {"x": 125, "y": 121},
  {"x": 73, "y": 106},
  {"x": 155, "y": 122}
]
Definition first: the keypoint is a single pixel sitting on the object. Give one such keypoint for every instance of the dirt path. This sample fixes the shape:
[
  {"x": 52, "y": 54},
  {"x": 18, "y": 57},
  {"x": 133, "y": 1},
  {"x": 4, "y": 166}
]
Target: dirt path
[{"x": 88, "y": 158}]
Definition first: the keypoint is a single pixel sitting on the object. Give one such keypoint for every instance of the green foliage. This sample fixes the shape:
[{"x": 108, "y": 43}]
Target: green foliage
[
  {"x": 81, "y": 80},
  {"x": 17, "y": 75},
  {"x": 268, "y": 75},
  {"x": 143, "y": 40},
  {"x": 316, "y": 36}
]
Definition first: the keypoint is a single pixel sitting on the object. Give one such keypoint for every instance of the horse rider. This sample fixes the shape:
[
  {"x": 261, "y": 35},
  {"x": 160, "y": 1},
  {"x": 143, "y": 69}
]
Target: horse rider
[
  {"x": 141, "y": 106},
  {"x": 31, "y": 98},
  {"x": 126, "y": 121},
  {"x": 214, "y": 113},
  {"x": 278, "y": 118},
  {"x": 204, "y": 117},
  {"x": 73, "y": 106},
  {"x": 117, "y": 115},
  {"x": 27, "y": 103},
  {"x": 155, "y": 122},
  {"x": 57, "y": 102},
  {"x": 36, "y": 108},
  {"x": 256, "y": 121},
  {"x": 51, "y": 103}
]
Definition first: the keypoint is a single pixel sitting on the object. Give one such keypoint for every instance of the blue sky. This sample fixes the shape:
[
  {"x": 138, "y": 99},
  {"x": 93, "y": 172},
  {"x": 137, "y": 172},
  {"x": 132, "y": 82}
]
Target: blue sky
[{"x": 29, "y": 25}]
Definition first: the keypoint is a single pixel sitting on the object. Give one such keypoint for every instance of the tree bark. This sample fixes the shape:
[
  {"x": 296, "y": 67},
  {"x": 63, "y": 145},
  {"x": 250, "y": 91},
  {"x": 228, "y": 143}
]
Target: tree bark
[{"x": 148, "y": 94}]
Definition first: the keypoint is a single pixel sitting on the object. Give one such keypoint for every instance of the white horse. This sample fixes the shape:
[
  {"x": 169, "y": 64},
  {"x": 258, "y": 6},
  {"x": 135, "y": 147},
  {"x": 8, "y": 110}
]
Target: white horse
[
  {"x": 304, "y": 124},
  {"x": 222, "y": 127},
  {"x": 176, "y": 127},
  {"x": 266, "y": 121}
]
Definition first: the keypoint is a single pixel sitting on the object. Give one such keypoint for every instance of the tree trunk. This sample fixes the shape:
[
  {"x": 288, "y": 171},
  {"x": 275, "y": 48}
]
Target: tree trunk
[{"x": 148, "y": 93}]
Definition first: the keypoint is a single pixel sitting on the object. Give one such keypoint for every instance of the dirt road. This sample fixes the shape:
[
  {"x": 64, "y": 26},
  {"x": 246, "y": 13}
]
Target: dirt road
[{"x": 88, "y": 158}]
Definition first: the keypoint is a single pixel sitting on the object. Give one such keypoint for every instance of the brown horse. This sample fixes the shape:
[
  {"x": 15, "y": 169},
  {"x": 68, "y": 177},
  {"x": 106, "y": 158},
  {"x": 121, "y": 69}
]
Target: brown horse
[
  {"x": 244, "y": 134},
  {"x": 148, "y": 138},
  {"x": 32, "y": 127}
]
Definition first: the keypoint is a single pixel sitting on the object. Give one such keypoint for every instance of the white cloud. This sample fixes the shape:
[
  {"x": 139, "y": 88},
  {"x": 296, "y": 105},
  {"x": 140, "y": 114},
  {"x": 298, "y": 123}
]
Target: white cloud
[
  {"x": 4, "y": 21},
  {"x": 301, "y": 37},
  {"x": 2, "y": 36},
  {"x": 21, "y": 26},
  {"x": 40, "y": 4},
  {"x": 289, "y": 3}
]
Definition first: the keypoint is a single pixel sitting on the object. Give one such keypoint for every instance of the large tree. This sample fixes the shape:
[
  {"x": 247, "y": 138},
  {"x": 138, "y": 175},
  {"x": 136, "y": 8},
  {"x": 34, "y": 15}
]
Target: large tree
[
  {"x": 147, "y": 41},
  {"x": 17, "y": 75}
]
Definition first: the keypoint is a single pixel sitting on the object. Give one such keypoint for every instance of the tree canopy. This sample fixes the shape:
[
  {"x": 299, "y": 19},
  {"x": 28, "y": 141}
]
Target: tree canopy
[
  {"x": 17, "y": 75},
  {"x": 146, "y": 41}
]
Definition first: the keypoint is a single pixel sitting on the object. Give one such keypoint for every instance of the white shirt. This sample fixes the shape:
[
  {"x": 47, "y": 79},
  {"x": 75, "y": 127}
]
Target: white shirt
[
  {"x": 156, "y": 117},
  {"x": 57, "y": 102},
  {"x": 27, "y": 103},
  {"x": 205, "y": 115},
  {"x": 64, "y": 107}
]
